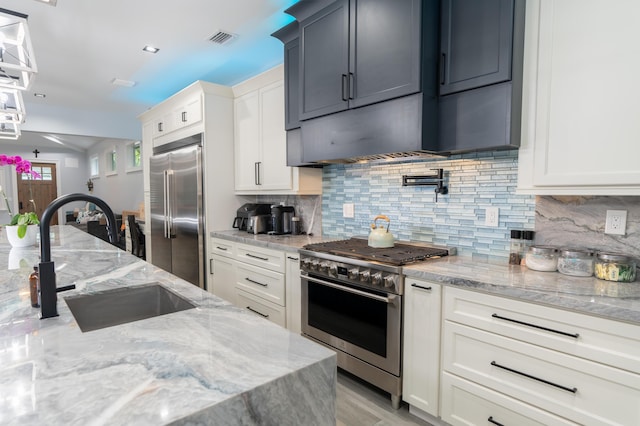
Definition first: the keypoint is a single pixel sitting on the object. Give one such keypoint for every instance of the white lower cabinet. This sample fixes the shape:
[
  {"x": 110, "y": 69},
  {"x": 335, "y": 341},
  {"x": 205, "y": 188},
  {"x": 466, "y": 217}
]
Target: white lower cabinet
[
  {"x": 421, "y": 357},
  {"x": 259, "y": 279},
  {"x": 467, "y": 403},
  {"x": 293, "y": 293},
  {"x": 537, "y": 356},
  {"x": 257, "y": 305}
]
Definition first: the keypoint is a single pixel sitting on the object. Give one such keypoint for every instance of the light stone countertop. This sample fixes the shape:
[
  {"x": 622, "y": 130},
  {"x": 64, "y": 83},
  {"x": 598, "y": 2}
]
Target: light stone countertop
[
  {"x": 617, "y": 301},
  {"x": 215, "y": 364}
]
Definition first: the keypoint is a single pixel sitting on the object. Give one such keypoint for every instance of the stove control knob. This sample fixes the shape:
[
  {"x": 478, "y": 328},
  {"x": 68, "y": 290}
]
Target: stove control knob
[
  {"x": 389, "y": 281},
  {"x": 352, "y": 274},
  {"x": 376, "y": 279},
  {"x": 314, "y": 264},
  {"x": 324, "y": 266},
  {"x": 304, "y": 263},
  {"x": 365, "y": 276},
  {"x": 333, "y": 270}
]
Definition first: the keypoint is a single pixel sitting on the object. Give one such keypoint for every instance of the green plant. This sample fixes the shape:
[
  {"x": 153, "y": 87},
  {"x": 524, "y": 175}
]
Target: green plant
[{"x": 23, "y": 220}]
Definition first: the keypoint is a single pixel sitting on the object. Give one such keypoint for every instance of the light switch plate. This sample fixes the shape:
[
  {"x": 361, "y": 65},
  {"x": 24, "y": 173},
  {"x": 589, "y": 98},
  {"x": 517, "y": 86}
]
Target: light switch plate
[
  {"x": 492, "y": 216},
  {"x": 616, "y": 222},
  {"x": 348, "y": 210}
]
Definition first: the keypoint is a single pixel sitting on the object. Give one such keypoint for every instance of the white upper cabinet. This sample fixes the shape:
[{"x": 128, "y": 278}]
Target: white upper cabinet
[
  {"x": 260, "y": 141},
  {"x": 581, "y": 117}
]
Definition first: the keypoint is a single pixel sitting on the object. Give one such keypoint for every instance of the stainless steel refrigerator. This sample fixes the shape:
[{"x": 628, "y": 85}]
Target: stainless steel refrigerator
[{"x": 177, "y": 205}]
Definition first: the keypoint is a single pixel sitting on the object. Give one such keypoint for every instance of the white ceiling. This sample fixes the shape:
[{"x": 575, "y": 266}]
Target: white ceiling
[{"x": 82, "y": 45}]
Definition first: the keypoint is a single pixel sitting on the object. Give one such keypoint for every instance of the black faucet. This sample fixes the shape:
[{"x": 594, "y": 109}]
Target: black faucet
[{"x": 48, "y": 289}]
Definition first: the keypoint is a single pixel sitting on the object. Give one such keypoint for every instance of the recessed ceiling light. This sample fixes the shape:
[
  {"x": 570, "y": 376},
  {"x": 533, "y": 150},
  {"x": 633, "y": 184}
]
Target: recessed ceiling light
[
  {"x": 123, "y": 83},
  {"x": 150, "y": 49},
  {"x": 39, "y": 95}
]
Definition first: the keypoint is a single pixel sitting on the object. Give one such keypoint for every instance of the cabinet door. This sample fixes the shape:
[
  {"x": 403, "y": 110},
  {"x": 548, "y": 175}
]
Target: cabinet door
[
  {"x": 421, "y": 357},
  {"x": 581, "y": 90},
  {"x": 247, "y": 140},
  {"x": 293, "y": 293},
  {"x": 476, "y": 43},
  {"x": 324, "y": 61},
  {"x": 384, "y": 61},
  {"x": 223, "y": 274},
  {"x": 292, "y": 84},
  {"x": 273, "y": 171}
]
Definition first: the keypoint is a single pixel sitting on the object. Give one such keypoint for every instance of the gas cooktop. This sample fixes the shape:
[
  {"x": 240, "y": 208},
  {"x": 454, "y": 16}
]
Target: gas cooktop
[{"x": 358, "y": 248}]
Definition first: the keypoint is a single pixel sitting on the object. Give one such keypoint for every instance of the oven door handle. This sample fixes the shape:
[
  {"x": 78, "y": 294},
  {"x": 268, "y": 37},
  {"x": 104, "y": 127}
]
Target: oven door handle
[{"x": 392, "y": 299}]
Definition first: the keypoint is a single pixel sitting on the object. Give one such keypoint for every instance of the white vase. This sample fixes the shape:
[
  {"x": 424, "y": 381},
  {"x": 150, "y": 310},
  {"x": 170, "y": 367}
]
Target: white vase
[{"x": 28, "y": 240}]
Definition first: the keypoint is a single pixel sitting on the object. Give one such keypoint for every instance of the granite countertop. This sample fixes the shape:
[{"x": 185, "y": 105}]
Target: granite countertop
[
  {"x": 613, "y": 300},
  {"x": 214, "y": 364},
  {"x": 617, "y": 301}
]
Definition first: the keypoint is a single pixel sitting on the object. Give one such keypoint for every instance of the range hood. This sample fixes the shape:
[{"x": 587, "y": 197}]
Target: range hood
[{"x": 397, "y": 130}]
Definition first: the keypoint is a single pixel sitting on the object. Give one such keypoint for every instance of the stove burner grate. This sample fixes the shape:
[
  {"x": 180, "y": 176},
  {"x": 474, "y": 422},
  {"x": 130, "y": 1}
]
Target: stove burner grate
[{"x": 356, "y": 248}]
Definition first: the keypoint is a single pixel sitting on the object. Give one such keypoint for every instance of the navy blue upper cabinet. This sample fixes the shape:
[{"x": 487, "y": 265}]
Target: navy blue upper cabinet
[
  {"x": 476, "y": 44},
  {"x": 358, "y": 52}
]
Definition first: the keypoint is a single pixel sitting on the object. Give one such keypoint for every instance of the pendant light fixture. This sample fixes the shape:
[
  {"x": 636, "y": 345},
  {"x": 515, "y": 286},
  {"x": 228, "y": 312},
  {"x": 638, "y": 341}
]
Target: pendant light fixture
[{"x": 17, "y": 68}]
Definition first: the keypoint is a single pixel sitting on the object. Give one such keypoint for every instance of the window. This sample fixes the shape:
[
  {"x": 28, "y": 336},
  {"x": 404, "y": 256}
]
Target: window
[
  {"x": 94, "y": 166},
  {"x": 112, "y": 162},
  {"x": 134, "y": 156},
  {"x": 46, "y": 173}
]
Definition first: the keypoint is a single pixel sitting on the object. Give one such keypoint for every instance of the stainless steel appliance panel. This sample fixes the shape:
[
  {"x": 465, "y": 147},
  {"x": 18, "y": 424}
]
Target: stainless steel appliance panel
[{"x": 177, "y": 221}]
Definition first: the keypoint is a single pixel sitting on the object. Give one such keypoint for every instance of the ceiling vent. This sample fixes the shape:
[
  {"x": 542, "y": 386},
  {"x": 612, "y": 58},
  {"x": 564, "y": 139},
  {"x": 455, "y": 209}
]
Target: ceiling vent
[{"x": 222, "y": 37}]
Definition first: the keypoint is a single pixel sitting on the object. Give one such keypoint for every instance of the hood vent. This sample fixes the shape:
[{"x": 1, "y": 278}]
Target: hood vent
[
  {"x": 394, "y": 157},
  {"x": 222, "y": 37}
]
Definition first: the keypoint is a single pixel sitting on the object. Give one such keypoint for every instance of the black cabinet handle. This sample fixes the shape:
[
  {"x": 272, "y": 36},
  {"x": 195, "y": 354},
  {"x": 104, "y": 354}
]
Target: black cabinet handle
[
  {"x": 184, "y": 116},
  {"x": 292, "y": 258},
  {"x": 221, "y": 248},
  {"x": 345, "y": 88},
  {"x": 19, "y": 205},
  {"x": 529, "y": 376},
  {"x": 490, "y": 420},
  {"x": 420, "y": 287},
  {"x": 443, "y": 67},
  {"x": 352, "y": 86},
  {"x": 159, "y": 127},
  {"x": 211, "y": 267},
  {"x": 256, "y": 172},
  {"x": 539, "y": 327},
  {"x": 257, "y": 257},
  {"x": 259, "y": 313},
  {"x": 256, "y": 282}
]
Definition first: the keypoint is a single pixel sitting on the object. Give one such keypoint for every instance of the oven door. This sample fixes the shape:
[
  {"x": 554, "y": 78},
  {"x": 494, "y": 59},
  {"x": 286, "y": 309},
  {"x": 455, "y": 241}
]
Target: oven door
[{"x": 363, "y": 323}]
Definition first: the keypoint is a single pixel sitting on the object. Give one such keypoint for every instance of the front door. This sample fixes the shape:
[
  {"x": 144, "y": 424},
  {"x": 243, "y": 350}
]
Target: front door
[{"x": 36, "y": 194}]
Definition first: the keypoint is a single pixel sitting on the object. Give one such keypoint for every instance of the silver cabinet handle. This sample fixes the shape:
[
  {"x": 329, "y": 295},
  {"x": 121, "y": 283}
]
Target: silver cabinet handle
[{"x": 211, "y": 267}]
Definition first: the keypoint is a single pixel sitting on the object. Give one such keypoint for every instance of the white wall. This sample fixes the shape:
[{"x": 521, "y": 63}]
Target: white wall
[
  {"x": 122, "y": 190},
  {"x": 71, "y": 168}
]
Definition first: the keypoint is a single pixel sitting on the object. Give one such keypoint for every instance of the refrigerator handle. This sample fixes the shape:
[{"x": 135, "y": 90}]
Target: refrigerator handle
[
  {"x": 165, "y": 204},
  {"x": 171, "y": 201}
]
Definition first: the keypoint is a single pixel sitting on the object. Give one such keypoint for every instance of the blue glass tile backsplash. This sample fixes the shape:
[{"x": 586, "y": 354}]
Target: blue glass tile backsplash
[{"x": 475, "y": 181}]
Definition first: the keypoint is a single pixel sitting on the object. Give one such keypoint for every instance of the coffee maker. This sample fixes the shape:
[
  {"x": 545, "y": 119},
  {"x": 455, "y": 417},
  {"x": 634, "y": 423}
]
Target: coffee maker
[{"x": 281, "y": 219}]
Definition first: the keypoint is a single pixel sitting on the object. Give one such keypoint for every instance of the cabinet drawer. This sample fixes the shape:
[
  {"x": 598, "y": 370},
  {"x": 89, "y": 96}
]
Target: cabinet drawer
[
  {"x": 263, "y": 283},
  {"x": 222, "y": 247},
  {"x": 465, "y": 403},
  {"x": 610, "y": 342},
  {"x": 579, "y": 390},
  {"x": 260, "y": 256},
  {"x": 263, "y": 308}
]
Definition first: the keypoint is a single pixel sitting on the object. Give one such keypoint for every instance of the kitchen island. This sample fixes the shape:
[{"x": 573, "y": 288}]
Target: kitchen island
[{"x": 214, "y": 364}]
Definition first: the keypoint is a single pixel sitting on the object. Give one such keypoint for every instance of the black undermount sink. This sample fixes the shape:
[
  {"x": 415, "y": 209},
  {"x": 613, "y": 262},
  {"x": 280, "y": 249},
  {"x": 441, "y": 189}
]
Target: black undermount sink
[{"x": 123, "y": 305}]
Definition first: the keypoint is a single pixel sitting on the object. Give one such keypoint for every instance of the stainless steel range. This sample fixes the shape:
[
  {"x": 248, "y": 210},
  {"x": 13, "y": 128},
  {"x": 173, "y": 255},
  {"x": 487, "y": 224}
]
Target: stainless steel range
[{"x": 352, "y": 302}]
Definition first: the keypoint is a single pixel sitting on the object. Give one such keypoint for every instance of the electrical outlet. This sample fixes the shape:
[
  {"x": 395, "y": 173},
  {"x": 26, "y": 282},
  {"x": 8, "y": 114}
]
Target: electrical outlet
[
  {"x": 348, "y": 210},
  {"x": 492, "y": 216},
  {"x": 616, "y": 222}
]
